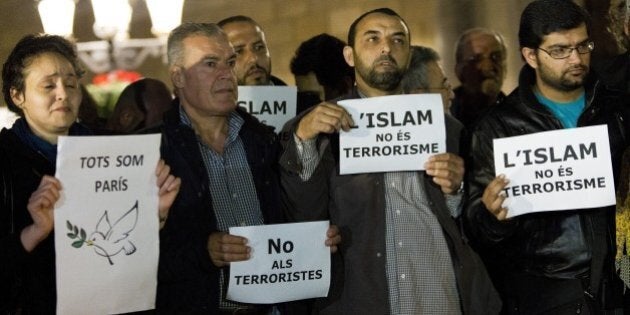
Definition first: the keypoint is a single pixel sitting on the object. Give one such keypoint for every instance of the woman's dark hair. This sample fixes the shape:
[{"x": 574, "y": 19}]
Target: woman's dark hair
[
  {"x": 22, "y": 55},
  {"x": 543, "y": 17}
]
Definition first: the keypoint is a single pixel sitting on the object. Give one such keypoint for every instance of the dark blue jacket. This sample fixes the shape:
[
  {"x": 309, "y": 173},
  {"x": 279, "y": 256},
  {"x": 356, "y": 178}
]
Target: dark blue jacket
[{"x": 187, "y": 279}]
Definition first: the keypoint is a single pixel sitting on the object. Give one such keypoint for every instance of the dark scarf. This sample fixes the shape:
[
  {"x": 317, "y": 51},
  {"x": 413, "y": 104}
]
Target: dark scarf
[{"x": 37, "y": 144}]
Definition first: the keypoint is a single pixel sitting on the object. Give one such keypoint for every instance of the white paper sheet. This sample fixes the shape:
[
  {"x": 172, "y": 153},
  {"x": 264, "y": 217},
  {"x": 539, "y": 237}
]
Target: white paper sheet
[
  {"x": 272, "y": 105},
  {"x": 106, "y": 224},
  {"x": 556, "y": 170},
  {"x": 289, "y": 262},
  {"x": 393, "y": 133}
]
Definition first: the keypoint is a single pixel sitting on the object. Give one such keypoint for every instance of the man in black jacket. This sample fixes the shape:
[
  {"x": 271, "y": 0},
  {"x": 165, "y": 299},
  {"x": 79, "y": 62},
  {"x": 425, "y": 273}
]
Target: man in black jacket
[
  {"x": 227, "y": 161},
  {"x": 559, "y": 262}
]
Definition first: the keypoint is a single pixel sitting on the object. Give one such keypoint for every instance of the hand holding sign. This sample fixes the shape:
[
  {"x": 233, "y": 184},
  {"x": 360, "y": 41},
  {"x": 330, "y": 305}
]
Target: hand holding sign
[
  {"x": 333, "y": 238},
  {"x": 106, "y": 222},
  {"x": 447, "y": 170},
  {"x": 168, "y": 186},
  {"x": 40, "y": 207},
  {"x": 493, "y": 197},
  {"x": 574, "y": 171},
  {"x": 324, "y": 118},
  {"x": 392, "y": 133},
  {"x": 225, "y": 248},
  {"x": 289, "y": 262}
]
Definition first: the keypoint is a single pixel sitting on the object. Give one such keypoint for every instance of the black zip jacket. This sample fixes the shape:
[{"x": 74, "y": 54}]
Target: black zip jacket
[{"x": 545, "y": 259}]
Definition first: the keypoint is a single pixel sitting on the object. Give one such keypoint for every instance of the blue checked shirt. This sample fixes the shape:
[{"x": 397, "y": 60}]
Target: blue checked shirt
[
  {"x": 232, "y": 187},
  {"x": 419, "y": 269}
]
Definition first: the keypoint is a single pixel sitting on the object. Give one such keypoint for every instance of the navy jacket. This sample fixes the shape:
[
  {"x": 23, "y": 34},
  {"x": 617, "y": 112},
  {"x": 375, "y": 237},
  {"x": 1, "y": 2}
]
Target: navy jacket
[{"x": 187, "y": 279}]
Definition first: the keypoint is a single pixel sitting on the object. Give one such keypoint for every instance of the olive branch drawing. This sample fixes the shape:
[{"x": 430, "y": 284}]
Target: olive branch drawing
[
  {"x": 108, "y": 239},
  {"x": 75, "y": 233}
]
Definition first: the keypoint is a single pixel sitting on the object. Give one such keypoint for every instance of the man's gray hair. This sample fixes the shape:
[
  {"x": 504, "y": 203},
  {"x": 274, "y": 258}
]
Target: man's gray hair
[
  {"x": 464, "y": 38},
  {"x": 417, "y": 75},
  {"x": 618, "y": 17},
  {"x": 175, "y": 45}
]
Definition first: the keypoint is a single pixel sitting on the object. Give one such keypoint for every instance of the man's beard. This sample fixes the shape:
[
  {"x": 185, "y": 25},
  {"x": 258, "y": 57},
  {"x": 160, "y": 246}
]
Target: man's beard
[
  {"x": 248, "y": 80},
  {"x": 385, "y": 81},
  {"x": 562, "y": 83}
]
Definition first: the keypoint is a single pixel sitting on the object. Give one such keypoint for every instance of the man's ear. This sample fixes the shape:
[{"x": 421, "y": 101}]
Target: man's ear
[
  {"x": 348, "y": 54},
  {"x": 529, "y": 54},
  {"x": 177, "y": 76},
  {"x": 17, "y": 97}
]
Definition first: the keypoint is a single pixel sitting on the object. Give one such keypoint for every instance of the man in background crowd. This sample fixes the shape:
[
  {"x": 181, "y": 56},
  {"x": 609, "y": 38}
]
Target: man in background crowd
[
  {"x": 480, "y": 66},
  {"x": 321, "y": 73},
  {"x": 253, "y": 60}
]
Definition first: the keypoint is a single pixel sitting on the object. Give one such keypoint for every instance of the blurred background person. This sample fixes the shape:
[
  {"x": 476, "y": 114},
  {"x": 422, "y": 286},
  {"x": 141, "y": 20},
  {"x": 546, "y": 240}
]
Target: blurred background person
[
  {"x": 140, "y": 105},
  {"x": 253, "y": 61},
  {"x": 615, "y": 71},
  {"x": 480, "y": 66},
  {"x": 321, "y": 73},
  {"x": 88, "y": 113},
  {"x": 426, "y": 75}
]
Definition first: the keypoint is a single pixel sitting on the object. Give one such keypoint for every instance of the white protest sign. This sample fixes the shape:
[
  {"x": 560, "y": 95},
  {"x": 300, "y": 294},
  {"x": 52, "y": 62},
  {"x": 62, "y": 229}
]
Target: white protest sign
[
  {"x": 288, "y": 262},
  {"x": 106, "y": 224},
  {"x": 556, "y": 170},
  {"x": 272, "y": 105},
  {"x": 392, "y": 133}
]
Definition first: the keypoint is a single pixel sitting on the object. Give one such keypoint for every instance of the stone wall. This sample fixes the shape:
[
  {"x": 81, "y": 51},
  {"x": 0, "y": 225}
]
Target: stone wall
[{"x": 434, "y": 23}]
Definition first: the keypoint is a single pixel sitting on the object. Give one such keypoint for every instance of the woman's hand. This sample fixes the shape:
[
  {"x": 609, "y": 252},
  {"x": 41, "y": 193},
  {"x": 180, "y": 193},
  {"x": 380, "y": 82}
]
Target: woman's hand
[
  {"x": 169, "y": 187},
  {"x": 40, "y": 206}
]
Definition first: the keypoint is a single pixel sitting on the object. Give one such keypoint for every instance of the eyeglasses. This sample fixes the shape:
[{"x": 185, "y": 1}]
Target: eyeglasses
[{"x": 565, "y": 52}]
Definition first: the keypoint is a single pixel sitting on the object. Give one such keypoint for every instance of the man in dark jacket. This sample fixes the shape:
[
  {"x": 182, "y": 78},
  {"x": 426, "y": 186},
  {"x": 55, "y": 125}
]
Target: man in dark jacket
[
  {"x": 559, "y": 262},
  {"x": 227, "y": 162},
  {"x": 404, "y": 253},
  {"x": 480, "y": 66}
]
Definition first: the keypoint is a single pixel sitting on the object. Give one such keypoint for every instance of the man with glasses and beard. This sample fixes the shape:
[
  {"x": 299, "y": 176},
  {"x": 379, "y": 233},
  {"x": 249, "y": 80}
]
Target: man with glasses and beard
[
  {"x": 559, "y": 262},
  {"x": 391, "y": 222}
]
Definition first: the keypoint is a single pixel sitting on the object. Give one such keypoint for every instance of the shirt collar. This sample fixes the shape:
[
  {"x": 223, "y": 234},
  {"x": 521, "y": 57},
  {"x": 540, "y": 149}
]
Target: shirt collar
[{"x": 235, "y": 123}]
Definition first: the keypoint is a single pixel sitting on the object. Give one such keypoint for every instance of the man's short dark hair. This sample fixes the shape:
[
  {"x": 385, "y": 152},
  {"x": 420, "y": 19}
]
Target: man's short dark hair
[
  {"x": 323, "y": 55},
  {"x": 543, "y": 17},
  {"x": 22, "y": 55},
  {"x": 353, "y": 27},
  {"x": 237, "y": 18}
]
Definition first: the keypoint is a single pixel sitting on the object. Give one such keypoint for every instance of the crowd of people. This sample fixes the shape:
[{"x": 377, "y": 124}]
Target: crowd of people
[{"x": 436, "y": 241}]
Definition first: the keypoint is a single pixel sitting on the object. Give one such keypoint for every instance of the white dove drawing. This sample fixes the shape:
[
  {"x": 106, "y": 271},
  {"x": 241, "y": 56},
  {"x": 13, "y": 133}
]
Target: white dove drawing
[{"x": 110, "y": 239}]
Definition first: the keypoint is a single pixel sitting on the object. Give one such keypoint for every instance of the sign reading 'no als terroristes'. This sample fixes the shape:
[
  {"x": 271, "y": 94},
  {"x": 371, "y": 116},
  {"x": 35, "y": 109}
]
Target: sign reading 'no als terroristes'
[{"x": 288, "y": 262}]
